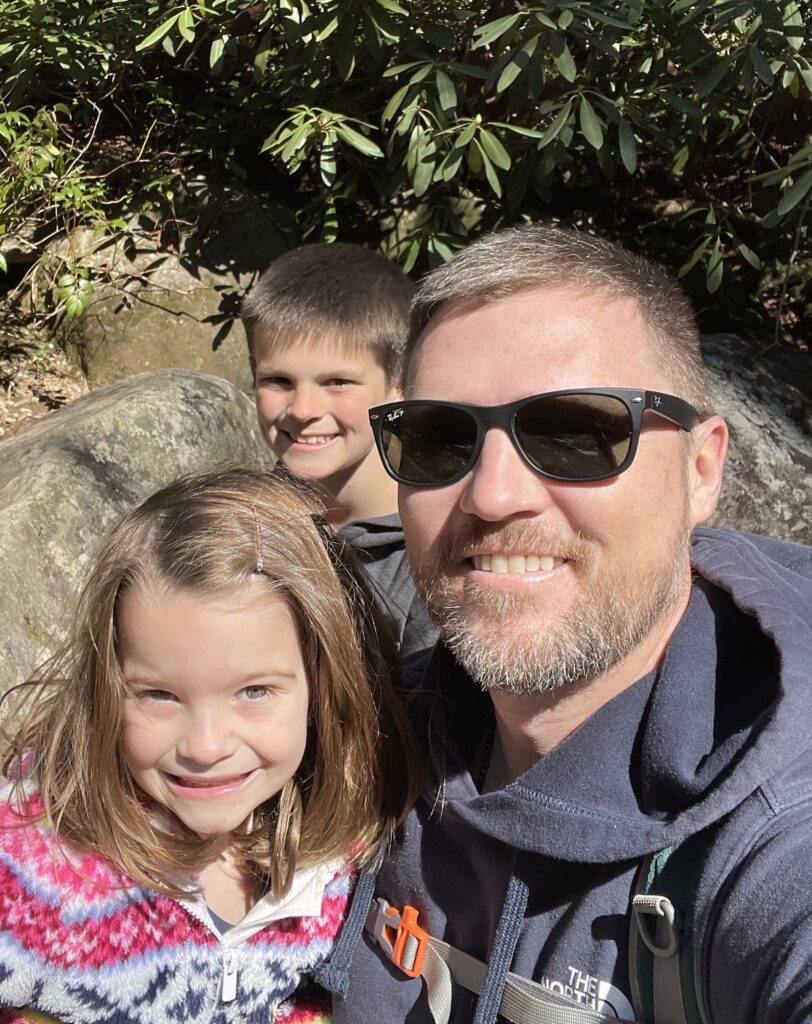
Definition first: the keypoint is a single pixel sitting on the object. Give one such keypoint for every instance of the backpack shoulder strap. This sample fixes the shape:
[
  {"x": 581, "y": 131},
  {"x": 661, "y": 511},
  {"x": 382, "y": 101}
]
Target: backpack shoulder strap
[{"x": 661, "y": 937}]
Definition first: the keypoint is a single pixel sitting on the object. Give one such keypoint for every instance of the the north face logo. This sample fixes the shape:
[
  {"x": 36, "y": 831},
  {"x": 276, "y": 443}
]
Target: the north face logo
[{"x": 590, "y": 991}]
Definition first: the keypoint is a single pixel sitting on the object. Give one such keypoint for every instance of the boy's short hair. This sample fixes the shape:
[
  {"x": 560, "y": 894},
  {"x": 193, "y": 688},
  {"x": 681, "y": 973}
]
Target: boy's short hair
[{"x": 355, "y": 295}]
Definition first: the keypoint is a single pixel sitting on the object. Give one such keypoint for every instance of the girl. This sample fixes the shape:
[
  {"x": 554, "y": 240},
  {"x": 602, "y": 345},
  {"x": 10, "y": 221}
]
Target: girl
[{"x": 215, "y": 752}]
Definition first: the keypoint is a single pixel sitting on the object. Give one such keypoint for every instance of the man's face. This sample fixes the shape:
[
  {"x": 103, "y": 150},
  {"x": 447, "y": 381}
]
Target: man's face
[{"x": 538, "y": 583}]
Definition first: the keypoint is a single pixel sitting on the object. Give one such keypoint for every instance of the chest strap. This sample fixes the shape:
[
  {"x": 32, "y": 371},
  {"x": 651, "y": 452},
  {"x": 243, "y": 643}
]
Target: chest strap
[{"x": 420, "y": 955}]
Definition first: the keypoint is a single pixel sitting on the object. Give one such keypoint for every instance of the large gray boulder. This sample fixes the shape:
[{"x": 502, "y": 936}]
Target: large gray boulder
[
  {"x": 767, "y": 403},
  {"x": 67, "y": 478}
]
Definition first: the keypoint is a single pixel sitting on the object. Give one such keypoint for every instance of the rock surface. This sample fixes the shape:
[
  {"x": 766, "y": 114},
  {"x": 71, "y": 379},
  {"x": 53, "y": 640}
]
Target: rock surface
[
  {"x": 153, "y": 309},
  {"x": 768, "y": 407},
  {"x": 67, "y": 478}
]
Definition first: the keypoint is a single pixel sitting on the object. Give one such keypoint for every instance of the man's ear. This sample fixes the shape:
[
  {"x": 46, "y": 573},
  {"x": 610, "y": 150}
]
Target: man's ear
[{"x": 706, "y": 467}]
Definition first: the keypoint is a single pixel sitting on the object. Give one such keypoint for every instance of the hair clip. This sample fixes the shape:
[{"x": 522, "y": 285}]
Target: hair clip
[{"x": 259, "y": 542}]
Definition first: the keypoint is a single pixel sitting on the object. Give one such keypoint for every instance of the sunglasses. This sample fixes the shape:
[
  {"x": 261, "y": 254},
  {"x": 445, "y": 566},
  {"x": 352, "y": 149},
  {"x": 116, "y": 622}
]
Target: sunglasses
[{"x": 578, "y": 436}]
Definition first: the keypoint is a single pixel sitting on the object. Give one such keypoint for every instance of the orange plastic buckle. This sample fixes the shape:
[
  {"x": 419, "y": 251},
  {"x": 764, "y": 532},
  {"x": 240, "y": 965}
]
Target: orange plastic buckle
[
  {"x": 409, "y": 948},
  {"x": 402, "y": 937}
]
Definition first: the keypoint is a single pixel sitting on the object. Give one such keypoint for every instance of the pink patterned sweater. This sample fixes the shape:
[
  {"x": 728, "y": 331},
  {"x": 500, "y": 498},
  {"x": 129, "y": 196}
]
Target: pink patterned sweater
[{"x": 83, "y": 943}]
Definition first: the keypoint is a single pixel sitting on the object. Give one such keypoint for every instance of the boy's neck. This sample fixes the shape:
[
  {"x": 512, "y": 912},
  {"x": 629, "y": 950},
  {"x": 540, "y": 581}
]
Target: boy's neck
[{"x": 366, "y": 492}]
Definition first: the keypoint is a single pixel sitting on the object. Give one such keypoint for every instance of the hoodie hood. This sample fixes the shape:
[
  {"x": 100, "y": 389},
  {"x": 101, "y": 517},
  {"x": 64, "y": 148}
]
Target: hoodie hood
[
  {"x": 724, "y": 712},
  {"x": 377, "y": 537}
]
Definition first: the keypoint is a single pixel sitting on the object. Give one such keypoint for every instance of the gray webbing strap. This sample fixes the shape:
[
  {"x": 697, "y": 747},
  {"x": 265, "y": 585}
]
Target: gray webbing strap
[
  {"x": 666, "y": 977},
  {"x": 523, "y": 1001}
]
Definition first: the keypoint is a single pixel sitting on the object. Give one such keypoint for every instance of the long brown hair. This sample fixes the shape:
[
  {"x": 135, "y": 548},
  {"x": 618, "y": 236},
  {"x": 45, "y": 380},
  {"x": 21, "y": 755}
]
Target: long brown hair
[{"x": 361, "y": 771}]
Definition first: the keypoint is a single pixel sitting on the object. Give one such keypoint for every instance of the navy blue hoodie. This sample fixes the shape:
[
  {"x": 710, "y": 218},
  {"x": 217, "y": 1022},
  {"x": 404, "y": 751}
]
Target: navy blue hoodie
[{"x": 538, "y": 876}]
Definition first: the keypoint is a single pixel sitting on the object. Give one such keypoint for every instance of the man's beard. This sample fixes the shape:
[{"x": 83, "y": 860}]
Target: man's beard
[{"x": 612, "y": 613}]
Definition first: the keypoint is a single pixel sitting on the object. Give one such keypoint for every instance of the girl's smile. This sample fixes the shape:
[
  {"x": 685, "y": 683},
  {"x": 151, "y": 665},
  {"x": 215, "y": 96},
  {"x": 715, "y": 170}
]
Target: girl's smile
[{"x": 191, "y": 788}]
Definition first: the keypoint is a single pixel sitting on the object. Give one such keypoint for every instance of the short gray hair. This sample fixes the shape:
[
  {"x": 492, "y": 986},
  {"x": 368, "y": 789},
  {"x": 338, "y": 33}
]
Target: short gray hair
[{"x": 506, "y": 262}]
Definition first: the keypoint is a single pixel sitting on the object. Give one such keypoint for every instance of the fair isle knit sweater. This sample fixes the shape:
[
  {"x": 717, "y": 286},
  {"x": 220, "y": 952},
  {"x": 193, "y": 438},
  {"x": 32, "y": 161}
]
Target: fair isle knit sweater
[{"x": 83, "y": 943}]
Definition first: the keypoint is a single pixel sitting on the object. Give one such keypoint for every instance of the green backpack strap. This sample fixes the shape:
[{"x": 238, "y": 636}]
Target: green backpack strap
[{"x": 661, "y": 937}]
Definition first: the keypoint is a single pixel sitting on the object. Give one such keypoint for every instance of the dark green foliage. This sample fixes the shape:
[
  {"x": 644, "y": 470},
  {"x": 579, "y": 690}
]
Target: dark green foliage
[{"x": 681, "y": 127}]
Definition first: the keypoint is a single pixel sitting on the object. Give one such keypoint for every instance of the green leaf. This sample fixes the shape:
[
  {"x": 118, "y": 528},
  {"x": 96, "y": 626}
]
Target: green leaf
[
  {"x": 562, "y": 57},
  {"x": 544, "y": 20},
  {"x": 474, "y": 157},
  {"x": 696, "y": 256},
  {"x": 186, "y": 25},
  {"x": 411, "y": 255},
  {"x": 327, "y": 160},
  {"x": 495, "y": 29},
  {"x": 264, "y": 49},
  {"x": 517, "y": 64},
  {"x": 591, "y": 126},
  {"x": 493, "y": 149},
  {"x": 424, "y": 164},
  {"x": 627, "y": 145},
  {"x": 358, "y": 141},
  {"x": 749, "y": 255},
  {"x": 761, "y": 65},
  {"x": 795, "y": 194},
  {"x": 557, "y": 124},
  {"x": 530, "y": 133},
  {"x": 565, "y": 18},
  {"x": 392, "y": 7},
  {"x": 329, "y": 224},
  {"x": 465, "y": 136},
  {"x": 448, "y": 169},
  {"x": 216, "y": 52},
  {"x": 714, "y": 77},
  {"x": 492, "y": 176},
  {"x": 400, "y": 68},
  {"x": 446, "y": 92},
  {"x": 159, "y": 32},
  {"x": 680, "y": 160},
  {"x": 716, "y": 269},
  {"x": 394, "y": 103}
]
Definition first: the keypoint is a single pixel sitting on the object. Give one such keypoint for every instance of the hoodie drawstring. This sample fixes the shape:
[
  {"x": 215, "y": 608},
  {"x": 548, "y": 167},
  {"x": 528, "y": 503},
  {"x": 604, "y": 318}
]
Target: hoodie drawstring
[{"x": 504, "y": 946}]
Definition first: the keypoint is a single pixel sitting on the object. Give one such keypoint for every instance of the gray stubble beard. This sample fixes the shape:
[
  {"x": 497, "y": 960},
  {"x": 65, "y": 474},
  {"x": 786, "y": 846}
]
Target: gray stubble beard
[{"x": 610, "y": 619}]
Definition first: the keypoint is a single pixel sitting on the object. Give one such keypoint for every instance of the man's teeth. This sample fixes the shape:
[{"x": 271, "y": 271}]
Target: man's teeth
[{"x": 516, "y": 563}]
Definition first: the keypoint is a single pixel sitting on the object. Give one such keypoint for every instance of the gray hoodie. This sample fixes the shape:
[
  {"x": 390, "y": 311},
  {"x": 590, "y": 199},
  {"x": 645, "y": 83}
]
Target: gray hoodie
[{"x": 379, "y": 543}]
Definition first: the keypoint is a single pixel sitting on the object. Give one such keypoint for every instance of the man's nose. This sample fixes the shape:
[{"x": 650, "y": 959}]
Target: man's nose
[
  {"x": 306, "y": 403},
  {"x": 205, "y": 737},
  {"x": 501, "y": 485}
]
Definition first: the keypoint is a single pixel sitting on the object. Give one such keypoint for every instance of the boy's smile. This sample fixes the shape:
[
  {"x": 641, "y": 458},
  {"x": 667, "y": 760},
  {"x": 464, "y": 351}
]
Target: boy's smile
[{"x": 313, "y": 400}]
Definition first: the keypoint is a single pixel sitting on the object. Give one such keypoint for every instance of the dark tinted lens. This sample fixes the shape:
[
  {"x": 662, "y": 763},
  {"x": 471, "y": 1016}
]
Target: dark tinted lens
[
  {"x": 428, "y": 444},
  {"x": 575, "y": 436}
]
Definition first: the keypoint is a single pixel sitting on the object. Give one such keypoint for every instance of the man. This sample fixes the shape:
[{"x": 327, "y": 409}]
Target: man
[{"x": 611, "y": 680}]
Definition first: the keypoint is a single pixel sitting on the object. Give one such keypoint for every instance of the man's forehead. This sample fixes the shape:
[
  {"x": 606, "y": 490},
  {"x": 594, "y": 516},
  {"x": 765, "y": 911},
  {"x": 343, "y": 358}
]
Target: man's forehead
[{"x": 538, "y": 339}]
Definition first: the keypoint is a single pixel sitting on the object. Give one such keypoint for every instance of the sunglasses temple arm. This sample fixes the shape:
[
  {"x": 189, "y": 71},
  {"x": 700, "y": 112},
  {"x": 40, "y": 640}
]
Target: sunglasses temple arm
[{"x": 671, "y": 408}]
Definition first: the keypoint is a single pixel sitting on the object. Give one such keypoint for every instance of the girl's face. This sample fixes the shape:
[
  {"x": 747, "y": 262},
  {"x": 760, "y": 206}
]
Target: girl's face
[{"x": 217, "y": 721}]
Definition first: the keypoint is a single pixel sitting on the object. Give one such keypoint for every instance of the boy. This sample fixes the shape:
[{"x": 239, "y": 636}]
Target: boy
[{"x": 325, "y": 325}]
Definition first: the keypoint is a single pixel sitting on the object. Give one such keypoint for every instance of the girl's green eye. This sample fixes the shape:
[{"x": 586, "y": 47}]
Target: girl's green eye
[{"x": 255, "y": 692}]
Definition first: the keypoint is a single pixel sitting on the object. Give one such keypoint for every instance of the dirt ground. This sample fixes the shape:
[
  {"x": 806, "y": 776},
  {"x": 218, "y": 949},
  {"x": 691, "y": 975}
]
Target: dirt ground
[{"x": 35, "y": 381}]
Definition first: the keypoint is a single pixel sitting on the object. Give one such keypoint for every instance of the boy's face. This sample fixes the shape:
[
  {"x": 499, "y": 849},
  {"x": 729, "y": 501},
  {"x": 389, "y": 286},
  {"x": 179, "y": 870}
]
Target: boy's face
[{"x": 313, "y": 402}]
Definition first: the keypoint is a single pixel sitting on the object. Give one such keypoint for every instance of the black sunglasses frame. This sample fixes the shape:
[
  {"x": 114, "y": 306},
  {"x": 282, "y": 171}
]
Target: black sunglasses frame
[{"x": 676, "y": 410}]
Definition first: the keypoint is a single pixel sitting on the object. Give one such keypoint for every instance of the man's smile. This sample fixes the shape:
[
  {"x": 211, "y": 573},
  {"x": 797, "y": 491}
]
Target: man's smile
[{"x": 503, "y": 563}]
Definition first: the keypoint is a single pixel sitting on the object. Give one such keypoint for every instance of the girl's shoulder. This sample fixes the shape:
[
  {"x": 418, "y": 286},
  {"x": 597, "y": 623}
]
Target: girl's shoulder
[{"x": 36, "y": 860}]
